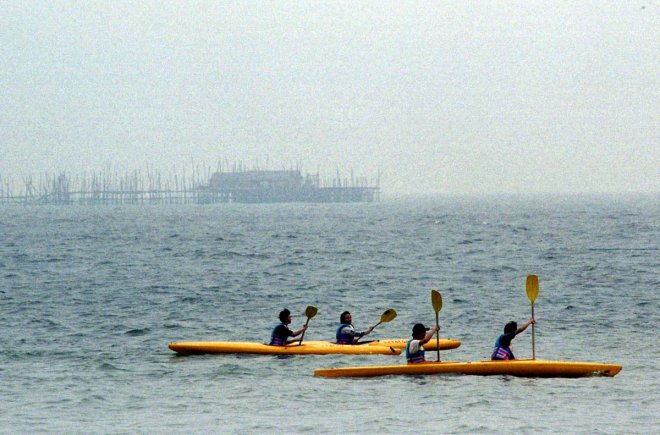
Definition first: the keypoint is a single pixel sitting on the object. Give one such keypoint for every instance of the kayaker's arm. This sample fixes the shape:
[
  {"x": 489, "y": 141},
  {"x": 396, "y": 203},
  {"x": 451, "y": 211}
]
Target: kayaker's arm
[
  {"x": 363, "y": 333},
  {"x": 297, "y": 333},
  {"x": 429, "y": 335},
  {"x": 300, "y": 331},
  {"x": 523, "y": 327}
]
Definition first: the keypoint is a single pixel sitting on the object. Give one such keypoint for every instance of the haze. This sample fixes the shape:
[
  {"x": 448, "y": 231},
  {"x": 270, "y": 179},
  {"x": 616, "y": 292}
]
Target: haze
[{"x": 439, "y": 97}]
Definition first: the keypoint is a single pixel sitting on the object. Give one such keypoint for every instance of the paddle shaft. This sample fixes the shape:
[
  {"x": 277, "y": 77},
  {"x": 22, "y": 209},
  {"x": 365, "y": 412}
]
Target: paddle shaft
[
  {"x": 437, "y": 335},
  {"x": 356, "y": 340},
  {"x": 387, "y": 316},
  {"x": 303, "y": 334},
  {"x": 533, "y": 340}
]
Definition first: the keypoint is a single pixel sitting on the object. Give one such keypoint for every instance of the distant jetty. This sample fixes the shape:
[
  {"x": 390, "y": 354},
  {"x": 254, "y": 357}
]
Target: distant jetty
[
  {"x": 239, "y": 185},
  {"x": 282, "y": 186}
]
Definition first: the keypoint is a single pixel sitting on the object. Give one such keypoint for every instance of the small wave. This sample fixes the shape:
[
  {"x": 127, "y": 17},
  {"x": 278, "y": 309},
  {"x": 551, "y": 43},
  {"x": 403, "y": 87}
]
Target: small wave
[
  {"x": 288, "y": 236},
  {"x": 106, "y": 366},
  {"x": 230, "y": 254},
  {"x": 93, "y": 398},
  {"x": 290, "y": 263},
  {"x": 191, "y": 299},
  {"x": 103, "y": 263},
  {"x": 621, "y": 249},
  {"x": 138, "y": 332},
  {"x": 160, "y": 287}
]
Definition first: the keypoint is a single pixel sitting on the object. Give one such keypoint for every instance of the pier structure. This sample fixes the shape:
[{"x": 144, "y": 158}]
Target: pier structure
[
  {"x": 203, "y": 186},
  {"x": 258, "y": 186}
]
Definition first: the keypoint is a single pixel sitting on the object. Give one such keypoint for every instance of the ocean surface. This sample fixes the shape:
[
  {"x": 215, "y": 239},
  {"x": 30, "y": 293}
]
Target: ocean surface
[{"x": 90, "y": 297}]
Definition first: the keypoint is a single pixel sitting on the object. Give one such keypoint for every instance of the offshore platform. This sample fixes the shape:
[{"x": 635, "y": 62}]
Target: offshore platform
[{"x": 282, "y": 186}]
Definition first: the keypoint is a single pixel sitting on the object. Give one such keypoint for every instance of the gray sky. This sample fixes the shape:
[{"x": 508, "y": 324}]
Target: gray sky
[{"x": 440, "y": 97}]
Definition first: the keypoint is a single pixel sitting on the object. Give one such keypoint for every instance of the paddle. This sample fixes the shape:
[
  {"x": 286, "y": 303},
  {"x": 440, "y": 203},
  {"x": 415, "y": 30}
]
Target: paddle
[
  {"x": 532, "y": 287},
  {"x": 436, "y": 300},
  {"x": 310, "y": 312},
  {"x": 387, "y": 316}
]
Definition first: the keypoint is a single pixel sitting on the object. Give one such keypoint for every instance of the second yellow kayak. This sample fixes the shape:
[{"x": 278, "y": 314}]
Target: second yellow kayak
[{"x": 523, "y": 368}]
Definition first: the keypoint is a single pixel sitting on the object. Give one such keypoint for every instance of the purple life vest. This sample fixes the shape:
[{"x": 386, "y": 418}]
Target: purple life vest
[
  {"x": 416, "y": 357},
  {"x": 503, "y": 353}
]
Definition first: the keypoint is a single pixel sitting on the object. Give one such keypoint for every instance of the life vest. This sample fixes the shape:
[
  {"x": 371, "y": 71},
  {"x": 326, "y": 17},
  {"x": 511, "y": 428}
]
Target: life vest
[
  {"x": 414, "y": 357},
  {"x": 343, "y": 337},
  {"x": 276, "y": 340},
  {"x": 500, "y": 352}
]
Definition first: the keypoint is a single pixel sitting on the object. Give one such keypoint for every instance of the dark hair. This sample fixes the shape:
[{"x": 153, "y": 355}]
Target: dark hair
[
  {"x": 341, "y": 318},
  {"x": 510, "y": 327},
  {"x": 419, "y": 329},
  {"x": 284, "y": 315}
]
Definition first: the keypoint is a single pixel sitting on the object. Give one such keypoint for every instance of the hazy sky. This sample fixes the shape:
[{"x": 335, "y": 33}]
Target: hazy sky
[{"x": 443, "y": 96}]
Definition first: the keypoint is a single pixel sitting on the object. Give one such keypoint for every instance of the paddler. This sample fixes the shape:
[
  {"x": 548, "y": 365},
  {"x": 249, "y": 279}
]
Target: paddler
[
  {"x": 281, "y": 332},
  {"x": 346, "y": 333},
  {"x": 502, "y": 350},
  {"x": 415, "y": 347}
]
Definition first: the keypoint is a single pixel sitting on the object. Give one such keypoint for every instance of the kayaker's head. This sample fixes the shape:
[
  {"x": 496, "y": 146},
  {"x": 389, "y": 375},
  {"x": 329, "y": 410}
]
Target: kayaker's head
[
  {"x": 345, "y": 317},
  {"x": 419, "y": 331},
  {"x": 510, "y": 327},
  {"x": 285, "y": 316}
]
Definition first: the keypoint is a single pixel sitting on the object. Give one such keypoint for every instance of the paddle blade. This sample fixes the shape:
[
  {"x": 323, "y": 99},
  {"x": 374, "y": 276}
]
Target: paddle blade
[
  {"x": 436, "y": 300},
  {"x": 310, "y": 311},
  {"x": 388, "y": 315},
  {"x": 532, "y": 287}
]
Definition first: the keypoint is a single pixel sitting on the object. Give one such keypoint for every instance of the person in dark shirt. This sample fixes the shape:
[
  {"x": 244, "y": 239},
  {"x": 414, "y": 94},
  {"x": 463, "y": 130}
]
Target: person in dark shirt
[
  {"x": 502, "y": 350},
  {"x": 281, "y": 332},
  {"x": 346, "y": 333}
]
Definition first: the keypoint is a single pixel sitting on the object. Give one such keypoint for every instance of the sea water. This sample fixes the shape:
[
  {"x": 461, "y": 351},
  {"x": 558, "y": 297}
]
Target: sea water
[{"x": 90, "y": 296}]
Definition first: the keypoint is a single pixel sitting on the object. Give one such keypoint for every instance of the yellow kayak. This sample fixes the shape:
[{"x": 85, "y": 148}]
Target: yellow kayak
[
  {"x": 400, "y": 343},
  {"x": 306, "y": 348},
  {"x": 524, "y": 368}
]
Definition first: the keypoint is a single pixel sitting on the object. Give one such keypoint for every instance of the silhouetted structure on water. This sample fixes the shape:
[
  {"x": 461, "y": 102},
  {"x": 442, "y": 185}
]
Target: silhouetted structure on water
[
  {"x": 203, "y": 187},
  {"x": 281, "y": 186}
]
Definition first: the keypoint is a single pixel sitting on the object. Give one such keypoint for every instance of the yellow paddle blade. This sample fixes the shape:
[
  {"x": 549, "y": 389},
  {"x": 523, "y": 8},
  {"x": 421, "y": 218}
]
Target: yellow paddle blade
[
  {"x": 388, "y": 315},
  {"x": 532, "y": 287},
  {"x": 310, "y": 311},
  {"x": 436, "y": 300}
]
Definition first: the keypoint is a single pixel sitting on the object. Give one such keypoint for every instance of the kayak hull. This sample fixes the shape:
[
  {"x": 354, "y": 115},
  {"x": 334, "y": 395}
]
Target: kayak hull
[
  {"x": 400, "y": 343},
  {"x": 523, "y": 368},
  {"x": 307, "y": 348}
]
